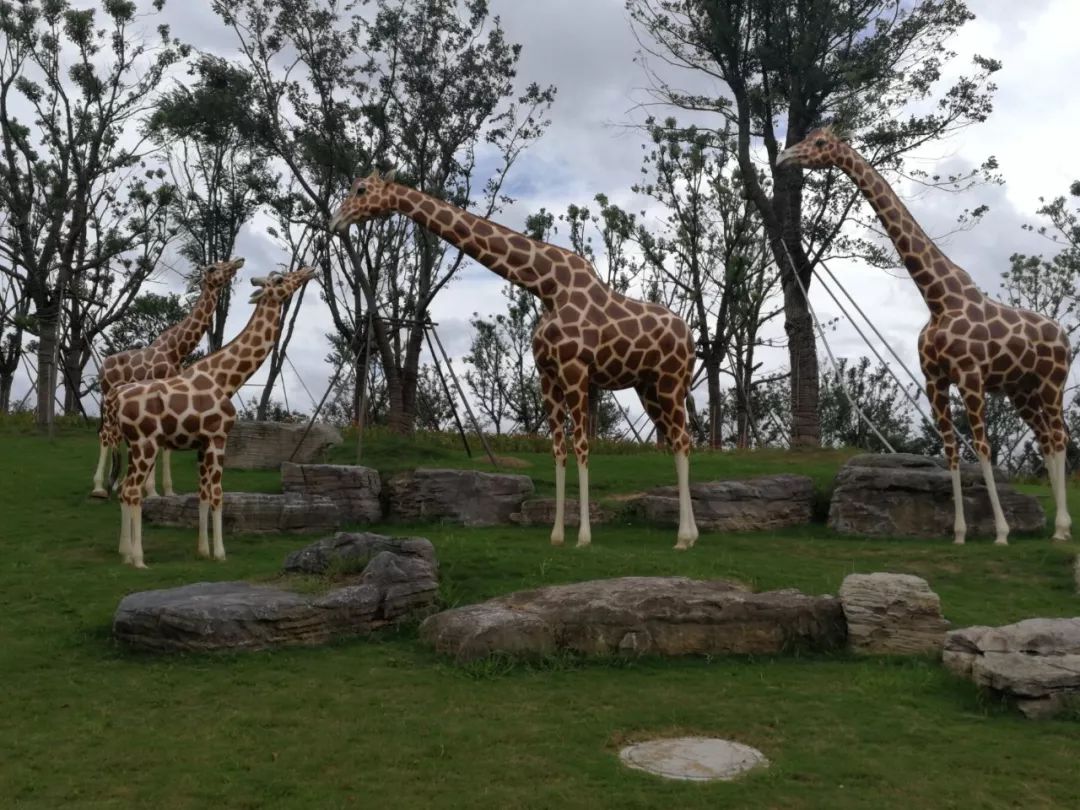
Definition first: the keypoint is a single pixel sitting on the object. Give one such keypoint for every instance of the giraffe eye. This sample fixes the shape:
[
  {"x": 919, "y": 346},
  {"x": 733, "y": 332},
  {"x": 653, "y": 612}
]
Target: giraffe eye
[
  {"x": 819, "y": 142},
  {"x": 360, "y": 190}
]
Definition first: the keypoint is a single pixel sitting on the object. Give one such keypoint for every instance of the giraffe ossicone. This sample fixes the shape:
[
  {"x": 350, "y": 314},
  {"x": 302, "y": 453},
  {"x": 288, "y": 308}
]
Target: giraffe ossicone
[
  {"x": 971, "y": 341},
  {"x": 162, "y": 358},
  {"x": 192, "y": 411},
  {"x": 587, "y": 333}
]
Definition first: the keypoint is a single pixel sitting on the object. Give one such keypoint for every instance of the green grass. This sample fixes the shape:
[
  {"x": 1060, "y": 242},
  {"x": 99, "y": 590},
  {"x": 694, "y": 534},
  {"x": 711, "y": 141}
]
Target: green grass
[{"x": 386, "y": 723}]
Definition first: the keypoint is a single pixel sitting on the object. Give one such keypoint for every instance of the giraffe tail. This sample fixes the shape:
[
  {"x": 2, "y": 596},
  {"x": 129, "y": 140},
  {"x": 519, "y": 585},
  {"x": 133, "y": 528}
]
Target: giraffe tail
[{"x": 114, "y": 469}]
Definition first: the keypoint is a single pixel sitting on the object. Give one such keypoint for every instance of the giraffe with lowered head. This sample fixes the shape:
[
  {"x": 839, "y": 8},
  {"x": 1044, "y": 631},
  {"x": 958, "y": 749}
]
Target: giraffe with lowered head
[
  {"x": 162, "y": 358},
  {"x": 192, "y": 411},
  {"x": 587, "y": 333},
  {"x": 975, "y": 343}
]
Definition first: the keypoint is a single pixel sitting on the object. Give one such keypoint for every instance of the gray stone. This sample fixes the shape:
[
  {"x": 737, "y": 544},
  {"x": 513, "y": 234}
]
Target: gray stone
[
  {"x": 465, "y": 497},
  {"x": 1035, "y": 662},
  {"x": 639, "y": 615},
  {"x": 696, "y": 759},
  {"x": 906, "y": 495},
  {"x": 541, "y": 512},
  {"x": 355, "y": 490},
  {"x": 392, "y": 588},
  {"x": 894, "y": 614},
  {"x": 265, "y": 445},
  {"x": 764, "y": 502},
  {"x": 249, "y": 512},
  {"x": 354, "y": 550}
]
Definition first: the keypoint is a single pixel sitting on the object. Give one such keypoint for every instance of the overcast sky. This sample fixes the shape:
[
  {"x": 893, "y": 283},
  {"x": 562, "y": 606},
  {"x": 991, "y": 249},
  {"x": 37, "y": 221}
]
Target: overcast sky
[{"x": 587, "y": 49}]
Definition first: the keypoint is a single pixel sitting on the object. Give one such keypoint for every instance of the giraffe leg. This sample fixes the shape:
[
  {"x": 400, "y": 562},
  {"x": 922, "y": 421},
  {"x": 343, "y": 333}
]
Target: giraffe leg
[
  {"x": 577, "y": 400},
  {"x": 205, "y": 474},
  {"x": 166, "y": 472},
  {"x": 556, "y": 412},
  {"x": 151, "y": 487},
  {"x": 1058, "y": 439},
  {"x": 1030, "y": 406},
  {"x": 215, "y": 455},
  {"x": 99, "y": 490},
  {"x": 937, "y": 391},
  {"x": 972, "y": 389},
  {"x": 139, "y": 465},
  {"x": 669, "y": 416}
]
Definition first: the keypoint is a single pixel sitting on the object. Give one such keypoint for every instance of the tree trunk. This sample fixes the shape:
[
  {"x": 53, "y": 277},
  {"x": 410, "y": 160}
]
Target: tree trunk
[
  {"x": 802, "y": 357},
  {"x": 216, "y": 335},
  {"x": 6, "y": 382},
  {"x": 712, "y": 375},
  {"x": 48, "y": 340}
]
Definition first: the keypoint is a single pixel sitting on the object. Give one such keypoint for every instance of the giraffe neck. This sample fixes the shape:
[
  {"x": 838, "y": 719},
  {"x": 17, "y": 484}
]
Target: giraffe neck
[
  {"x": 928, "y": 266},
  {"x": 180, "y": 339},
  {"x": 234, "y": 363},
  {"x": 505, "y": 252}
]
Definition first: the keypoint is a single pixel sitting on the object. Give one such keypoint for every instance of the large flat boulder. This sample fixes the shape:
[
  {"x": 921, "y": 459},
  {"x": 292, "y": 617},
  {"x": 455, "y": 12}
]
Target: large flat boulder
[
  {"x": 907, "y": 495},
  {"x": 764, "y": 502},
  {"x": 669, "y": 616},
  {"x": 1035, "y": 662},
  {"x": 265, "y": 445},
  {"x": 466, "y": 497},
  {"x": 355, "y": 490},
  {"x": 395, "y": 584},
  {"x": 249, "y": 512},
  {"x": 893, "y": 614}
]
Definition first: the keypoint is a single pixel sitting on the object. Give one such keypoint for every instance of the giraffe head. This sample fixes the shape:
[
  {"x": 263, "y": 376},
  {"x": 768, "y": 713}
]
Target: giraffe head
[
  {"x": 818, "y": 150},
  {"x": 218, "y": 275},
  {"x": 276, "y": 288},
  {"x": 368, "y": 197}
]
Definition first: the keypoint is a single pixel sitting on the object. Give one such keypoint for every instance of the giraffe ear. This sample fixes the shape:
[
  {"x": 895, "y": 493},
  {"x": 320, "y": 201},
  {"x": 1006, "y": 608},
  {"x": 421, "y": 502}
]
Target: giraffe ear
[{"x": 389, "y": 176}]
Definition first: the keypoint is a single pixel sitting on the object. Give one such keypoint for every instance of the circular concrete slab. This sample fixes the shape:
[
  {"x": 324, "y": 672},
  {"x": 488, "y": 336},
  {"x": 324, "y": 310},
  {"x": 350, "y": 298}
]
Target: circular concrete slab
[{"x": 698, "y": 759}]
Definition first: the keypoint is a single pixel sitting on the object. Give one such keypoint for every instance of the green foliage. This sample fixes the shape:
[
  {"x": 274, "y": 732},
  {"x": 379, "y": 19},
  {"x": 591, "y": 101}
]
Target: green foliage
[{"x": 149, "y": 315}]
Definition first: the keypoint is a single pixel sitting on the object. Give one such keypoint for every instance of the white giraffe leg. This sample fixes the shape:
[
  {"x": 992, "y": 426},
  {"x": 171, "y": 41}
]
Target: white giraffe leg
[
  {"x": 584, "y": 536},
  {"x": 959, "y": 524},
  {"x": 558, "y": 533},
  {"x": 125, "y": 533},
  {"x": 219, "y": 543},
  {"x": 204, "y": 526},
  {"x": 1001, "y": 528},
  {"x": 149, "y": 487},
  {"x": 99, "y": 490},
  {"x": 688, "y": 532},
  {"x": 136, "y": 536},
  {"x": 1062, "y": 521},
  {"x": 166, "y": 472}
]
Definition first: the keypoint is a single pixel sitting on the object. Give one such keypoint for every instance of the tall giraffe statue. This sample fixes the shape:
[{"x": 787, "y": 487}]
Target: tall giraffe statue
[
  {"x": 587, "y": 333},
  {"x": 162, "y": 358},
  {"x": 977, "y": 344},
  {"x": 192, "y": 411}
]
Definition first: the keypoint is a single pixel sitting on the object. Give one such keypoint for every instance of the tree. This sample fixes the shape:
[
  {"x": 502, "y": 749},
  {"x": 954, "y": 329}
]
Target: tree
[
  {"x": 878, "y": 396},
  {"x": 149, "y": 315},
  {"x": 69, "y": 180},
  {"x": 870, "y": 65}
]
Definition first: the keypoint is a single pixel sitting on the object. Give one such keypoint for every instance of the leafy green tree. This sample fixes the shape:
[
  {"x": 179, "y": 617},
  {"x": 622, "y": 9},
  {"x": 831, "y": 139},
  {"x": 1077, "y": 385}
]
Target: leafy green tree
[
  {"x": 872, "y": 66},
  {"x": 149, "y": 315},
  {"x": 878, "y": 396}
]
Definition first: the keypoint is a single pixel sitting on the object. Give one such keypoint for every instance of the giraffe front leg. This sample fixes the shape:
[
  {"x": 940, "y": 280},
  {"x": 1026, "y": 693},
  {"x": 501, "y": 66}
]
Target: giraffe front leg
[
  {"x": 974, "y": 400},
  {"x": 1058, "y": 439},
  {"x": 214, "y": 459},
  {"x": 99, "y": 490},
  {"x": 166, "y": 473},
  {"x": 139, "y": 462},
  {"x": 1062, "y": 520},
  {"x": 150, "y": 485},
  {"x": 556, "y": 413},
  {"x": 577, "y": 400},
  {"x": 674, "y": 420},
  {"x": 937, "y": 391}
]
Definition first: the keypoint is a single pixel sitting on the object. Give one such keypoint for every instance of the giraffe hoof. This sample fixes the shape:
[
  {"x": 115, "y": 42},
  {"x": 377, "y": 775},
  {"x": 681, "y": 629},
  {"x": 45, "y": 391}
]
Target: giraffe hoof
[
  {"x": 141, "y": 565},
  {"x": 557, "y": 540},
  {"x": 959, "y": 541},
  {"x": 682, "y": 546},
  {"x": 169, "y": 493},
  {"x": 204, "y": 553},
  {"x": 1001, "y": 541},
  {"x": 219, "y": 557},
  {"x": 585, "y": 543},
  {"x": 100, "y": 493}
]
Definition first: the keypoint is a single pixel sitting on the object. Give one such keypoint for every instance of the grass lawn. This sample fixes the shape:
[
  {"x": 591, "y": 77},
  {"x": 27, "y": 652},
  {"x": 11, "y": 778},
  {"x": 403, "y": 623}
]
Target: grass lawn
[{"x": 385, "y": 723}]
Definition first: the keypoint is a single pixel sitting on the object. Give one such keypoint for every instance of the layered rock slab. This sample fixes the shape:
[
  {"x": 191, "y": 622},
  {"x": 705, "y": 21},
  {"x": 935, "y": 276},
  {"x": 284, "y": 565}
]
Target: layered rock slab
[
  {"x": 249, "y": 512},
  {"x": 265, "y": 445},
  {"x": 893, "y": 614},
  {"x": 355, "y": 490},
  {"x": 669, "y": 616},
  {"x": 908, "y": 495},
  {"x": 541, "y": 512},
  {"x": 465, "y": 497}
]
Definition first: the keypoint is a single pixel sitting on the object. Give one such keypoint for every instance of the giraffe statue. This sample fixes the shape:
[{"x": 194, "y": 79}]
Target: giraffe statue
[
  {"x": 162, "y": 358},
  {"x": 192, "y": 411},
  {"x": 975, "y": 343},
  {"x": 587, "y": 333}
]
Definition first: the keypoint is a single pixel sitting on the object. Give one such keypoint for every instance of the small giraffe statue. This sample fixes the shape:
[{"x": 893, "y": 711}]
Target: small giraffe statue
[
  {"x": 192, "y": 411},
  {"x": 162, "y": 358},
  {"x": 588, "y": 332},
  {"x": 971, "y": 341}
]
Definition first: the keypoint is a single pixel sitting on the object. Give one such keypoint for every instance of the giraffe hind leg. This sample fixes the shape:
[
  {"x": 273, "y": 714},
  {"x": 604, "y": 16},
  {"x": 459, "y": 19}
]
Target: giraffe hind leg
[
  {"x": 1057, "y": 440},
  {"x": 556, "y": 413},
  {"x": 670, "y": 421},
  {"x": 974, "y": 400},
  {"x": 139, "y": 464},
  {"x": 937, "y": 391}
]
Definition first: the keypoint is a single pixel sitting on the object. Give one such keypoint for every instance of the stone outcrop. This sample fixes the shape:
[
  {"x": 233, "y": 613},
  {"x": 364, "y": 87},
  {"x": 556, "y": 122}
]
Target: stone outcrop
[
  {"x": 906, "y": 495},
  {"x": 265, "y": 445},
  {"x": 354, "y": 550},
  {"x": 893, "y": 614},
  {"x": 465, "y": 497},
  {"x": 764, "y": 502},
  {"x": 1035, "y": 662},
  {"x": 541, "y": 512},
  {"x": 354, "y": 490},
  {"x": 399, "y": 582},
  {"x": 668, "y": 616},
  {"x": 249, "y": 512}
]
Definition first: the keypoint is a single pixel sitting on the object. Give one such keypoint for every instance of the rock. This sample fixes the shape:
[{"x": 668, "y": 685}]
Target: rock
[
  {"x": 466, "y": 497},
  {"x": 397, "y": 584},
  {"x": 541, "y": 512},
  {"x": 1035, "y": 662},
  {"x": 764, "y": 502},
  {"x": 642, "y": 616},
  {"x": 354, "y": 550},
  {"x": 265, "y": 445},
  {"x": 249, "y": 512},
  {"x": 906, "y": 495},
  {"x": 355, "y": 490},
  {"x": 895, "y": 614}
]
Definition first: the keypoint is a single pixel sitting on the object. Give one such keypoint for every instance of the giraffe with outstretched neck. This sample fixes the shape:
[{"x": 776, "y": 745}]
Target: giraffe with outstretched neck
[
  {"x": 975, "y": 343},
  {"x": 587, "y": 333},
  {"x": 162, "y": 358},
  {"x": 192, "y": 411}
]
